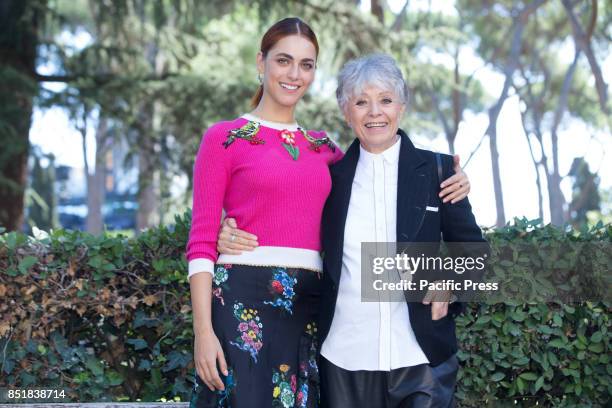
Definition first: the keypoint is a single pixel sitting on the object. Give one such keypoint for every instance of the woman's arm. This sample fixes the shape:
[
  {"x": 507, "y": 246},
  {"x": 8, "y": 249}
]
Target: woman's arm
[
  {"x": 233, "y": 241},
  {"x": 207, "y": 349},
  {"x": 211, "y": 176}
]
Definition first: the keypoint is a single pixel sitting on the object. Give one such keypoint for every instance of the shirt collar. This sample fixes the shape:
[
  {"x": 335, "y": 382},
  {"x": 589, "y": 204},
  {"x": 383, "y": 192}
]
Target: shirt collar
[
  {"x": 292, "y": 127},
  {"x": 389, "y": 156}
]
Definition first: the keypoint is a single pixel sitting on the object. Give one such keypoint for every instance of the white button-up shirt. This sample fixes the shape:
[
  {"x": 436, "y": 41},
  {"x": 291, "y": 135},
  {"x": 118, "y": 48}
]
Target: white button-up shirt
[{"x": 374, "y": 336}]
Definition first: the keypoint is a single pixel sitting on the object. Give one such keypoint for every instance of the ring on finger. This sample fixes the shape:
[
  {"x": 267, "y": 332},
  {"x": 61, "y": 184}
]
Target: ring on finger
[{"x": 232, "y": 237}]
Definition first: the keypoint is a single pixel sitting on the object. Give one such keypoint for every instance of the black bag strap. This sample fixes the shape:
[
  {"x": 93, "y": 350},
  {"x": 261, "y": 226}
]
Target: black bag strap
[{"x": 440, "y": 176}]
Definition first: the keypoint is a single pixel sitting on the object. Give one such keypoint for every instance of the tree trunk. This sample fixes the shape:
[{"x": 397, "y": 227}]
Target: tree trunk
[
  {"x": 497, "y": 187},
  {"x": 582, "y": 40},
  {"x": 377, "y": 11},
  {"x": 536, "y": 167},
  {"x": 492, "y": 133},
  {"x": 556, "y": 199},
  {"x": 148, "y": 181},
  {"x": 19, "y": 22},
  {"x": 448, "y": 132},
  {"x": 511, "y": 64},
  {"x": 148, "y": 197},
  {"x": 96, "y": 188},
  {"x": 457, "y": 105}
]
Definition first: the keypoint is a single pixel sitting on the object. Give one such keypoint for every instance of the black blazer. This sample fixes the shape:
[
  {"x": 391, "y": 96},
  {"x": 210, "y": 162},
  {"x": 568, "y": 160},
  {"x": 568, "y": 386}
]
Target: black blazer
[{"x": 417, "y": 188}]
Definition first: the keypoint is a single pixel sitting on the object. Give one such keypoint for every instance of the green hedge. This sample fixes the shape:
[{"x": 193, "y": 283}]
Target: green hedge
[{"x": 109, "y": 318}]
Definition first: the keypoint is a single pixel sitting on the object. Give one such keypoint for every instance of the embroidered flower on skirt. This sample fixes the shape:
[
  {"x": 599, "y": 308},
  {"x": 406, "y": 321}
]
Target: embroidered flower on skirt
[
  {"x": 302, "y": 396},
  {"x": 285, "y": 387},
  {"x": 281, "y": 287},
  {"x": 220, "y": 281},
  {"x": 250, "y": 336},
  {"x": 224, "y": 395},
  {"x": 308, "y": 373},
  {"x": 230, "y": 384}
]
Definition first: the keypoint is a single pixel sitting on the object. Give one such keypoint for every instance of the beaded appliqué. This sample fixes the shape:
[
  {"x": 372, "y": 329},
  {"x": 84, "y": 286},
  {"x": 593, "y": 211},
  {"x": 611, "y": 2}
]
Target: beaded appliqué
[
  {"x": 316, "y": 143},
  {"x": 247, "y": 132},
  {"x": 288, "y": 142}
]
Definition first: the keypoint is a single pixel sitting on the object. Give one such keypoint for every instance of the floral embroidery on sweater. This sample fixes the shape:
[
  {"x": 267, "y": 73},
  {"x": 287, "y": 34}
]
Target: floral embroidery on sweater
[{"x": 288, "y": 142}]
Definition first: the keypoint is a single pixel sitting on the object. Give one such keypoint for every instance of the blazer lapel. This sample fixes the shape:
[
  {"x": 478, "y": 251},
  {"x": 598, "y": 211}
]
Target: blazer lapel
[
  {"x": 413, "y": 180},
  {"x": 343, "y": 174}
]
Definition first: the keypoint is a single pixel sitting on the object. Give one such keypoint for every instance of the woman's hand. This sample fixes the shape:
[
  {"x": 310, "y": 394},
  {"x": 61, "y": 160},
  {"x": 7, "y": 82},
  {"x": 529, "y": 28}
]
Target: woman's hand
[
  {"x": 207, "y": 351},
  {"x": 439, "y": 310},
  {"x": 438, "y": 299},
  {"x": 456, "y": 187},
  {"x": 232, "y": 241}
]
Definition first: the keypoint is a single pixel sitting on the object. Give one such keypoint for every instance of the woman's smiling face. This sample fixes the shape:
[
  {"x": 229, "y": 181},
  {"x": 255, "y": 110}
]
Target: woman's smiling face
[
  {"x": 374, "y": 116},
  {"x": 288, "y": 69}
]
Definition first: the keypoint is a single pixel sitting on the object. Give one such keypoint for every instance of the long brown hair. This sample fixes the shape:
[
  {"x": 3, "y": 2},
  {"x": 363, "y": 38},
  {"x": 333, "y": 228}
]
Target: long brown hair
[{"x": 281, "y": 29}]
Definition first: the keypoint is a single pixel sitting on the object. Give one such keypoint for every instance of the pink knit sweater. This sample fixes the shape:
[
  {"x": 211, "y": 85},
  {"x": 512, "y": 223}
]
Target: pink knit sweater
[{"x": 254, "y": 178}]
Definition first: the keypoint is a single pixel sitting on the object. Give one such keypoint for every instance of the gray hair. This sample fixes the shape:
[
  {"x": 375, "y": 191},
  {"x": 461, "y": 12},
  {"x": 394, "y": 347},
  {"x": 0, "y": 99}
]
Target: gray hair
[{"x": 379, "y": 70}]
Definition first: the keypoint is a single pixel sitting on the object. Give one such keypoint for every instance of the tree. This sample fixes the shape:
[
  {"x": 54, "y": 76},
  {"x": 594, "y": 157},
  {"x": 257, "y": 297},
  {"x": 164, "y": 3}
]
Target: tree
[
  {"x": 583, "y": 42},
  {"x": 43, "y": 200},
  {"x": 445, "y": 93},
  {"x": 23, "y": 24},
  {"x": 486, "y": 20},
  {"x": 19, "y": 25},
  {"x": 551, "y": 90},
  {"x": 585, "y": 192}
]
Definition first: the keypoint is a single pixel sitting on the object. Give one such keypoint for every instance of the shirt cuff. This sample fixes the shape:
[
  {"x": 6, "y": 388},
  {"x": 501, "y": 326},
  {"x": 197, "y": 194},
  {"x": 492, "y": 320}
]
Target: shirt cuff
[{"x": 201, "y": 265}]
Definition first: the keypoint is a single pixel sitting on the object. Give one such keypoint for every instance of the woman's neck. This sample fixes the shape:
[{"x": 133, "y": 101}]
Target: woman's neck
[{"x": 273, "y": 112}]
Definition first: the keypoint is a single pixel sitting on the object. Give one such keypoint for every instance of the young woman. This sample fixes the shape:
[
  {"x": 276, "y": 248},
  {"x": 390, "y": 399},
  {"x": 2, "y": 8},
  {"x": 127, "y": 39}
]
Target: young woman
[{"x": 254, "y": 312}]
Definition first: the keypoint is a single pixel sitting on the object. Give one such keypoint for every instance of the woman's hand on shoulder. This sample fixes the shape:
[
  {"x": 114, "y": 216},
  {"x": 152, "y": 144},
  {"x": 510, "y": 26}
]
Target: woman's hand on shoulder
[
  {"x": 232, "y": 241},
  {"x": 456, "y": 187}
]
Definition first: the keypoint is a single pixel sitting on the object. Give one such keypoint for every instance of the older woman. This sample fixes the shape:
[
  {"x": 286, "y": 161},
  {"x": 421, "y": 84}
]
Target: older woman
[
  {"x": 384, "y": 354},
  {"x": 379, "y": 354}
]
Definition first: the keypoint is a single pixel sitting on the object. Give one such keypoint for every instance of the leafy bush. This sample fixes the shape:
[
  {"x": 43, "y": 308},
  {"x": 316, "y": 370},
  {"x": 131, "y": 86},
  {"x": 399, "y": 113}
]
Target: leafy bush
[
  {"x": 108, "y": 317},
  {"x": 538, "y": 353}
]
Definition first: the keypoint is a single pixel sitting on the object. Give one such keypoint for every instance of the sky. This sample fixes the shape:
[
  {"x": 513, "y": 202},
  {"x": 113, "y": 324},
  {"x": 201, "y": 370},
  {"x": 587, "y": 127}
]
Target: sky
[{"x": 52, "y": 131}]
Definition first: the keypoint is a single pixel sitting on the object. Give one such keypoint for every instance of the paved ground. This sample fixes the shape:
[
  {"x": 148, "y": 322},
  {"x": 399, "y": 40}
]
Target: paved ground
[{"x": 102, "y": 405}]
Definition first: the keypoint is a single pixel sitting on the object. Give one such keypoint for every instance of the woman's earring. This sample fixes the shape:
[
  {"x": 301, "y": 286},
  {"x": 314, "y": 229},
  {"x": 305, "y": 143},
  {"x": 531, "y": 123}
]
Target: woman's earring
[{"x": 259, "y": 78}]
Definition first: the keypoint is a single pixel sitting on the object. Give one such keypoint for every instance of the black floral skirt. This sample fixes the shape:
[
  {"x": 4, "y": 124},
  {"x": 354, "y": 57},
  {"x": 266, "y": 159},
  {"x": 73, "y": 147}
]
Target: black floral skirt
[{"x": 265, "y": 319}]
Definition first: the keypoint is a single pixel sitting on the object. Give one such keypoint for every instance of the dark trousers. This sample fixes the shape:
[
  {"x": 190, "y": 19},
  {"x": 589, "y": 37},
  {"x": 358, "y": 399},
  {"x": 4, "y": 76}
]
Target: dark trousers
[{"x": 420, "y": 386}]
